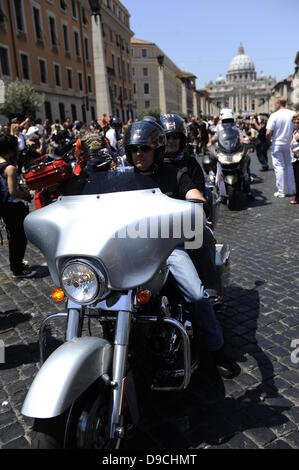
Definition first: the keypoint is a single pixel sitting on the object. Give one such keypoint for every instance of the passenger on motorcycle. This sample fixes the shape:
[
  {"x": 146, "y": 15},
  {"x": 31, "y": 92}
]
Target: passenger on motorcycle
[
  {"x": 177, "y": 154},
  {"x": 144, "y": 143}
]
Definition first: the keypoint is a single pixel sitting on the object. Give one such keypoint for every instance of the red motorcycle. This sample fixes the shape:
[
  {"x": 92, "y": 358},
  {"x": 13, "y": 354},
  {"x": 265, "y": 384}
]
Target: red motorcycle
[{"x": 46, "y": 175}]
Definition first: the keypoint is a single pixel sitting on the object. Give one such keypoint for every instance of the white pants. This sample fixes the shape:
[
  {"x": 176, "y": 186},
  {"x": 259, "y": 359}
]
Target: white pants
[{"x": 282, "y": 163}]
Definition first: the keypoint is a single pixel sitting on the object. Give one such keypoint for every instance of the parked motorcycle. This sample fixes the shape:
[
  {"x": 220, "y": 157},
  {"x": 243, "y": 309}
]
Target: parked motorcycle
[
  {"x": 85, "y": 394},
  {"x": 233, "y": 157},
  {"x": 48, "y": 173}
]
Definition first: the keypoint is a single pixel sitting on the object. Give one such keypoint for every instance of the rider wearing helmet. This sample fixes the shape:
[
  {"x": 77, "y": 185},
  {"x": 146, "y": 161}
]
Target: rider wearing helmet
[
  {"x": 113, "y": 135},
  {"x": 177, "y": 154},
  {"x": 228, "y": 121},
  {"x": 144, "y": 143}
]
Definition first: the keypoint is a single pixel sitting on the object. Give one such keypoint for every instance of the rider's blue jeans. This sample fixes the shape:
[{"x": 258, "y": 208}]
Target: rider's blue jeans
[{"x": 185, "y": 274}]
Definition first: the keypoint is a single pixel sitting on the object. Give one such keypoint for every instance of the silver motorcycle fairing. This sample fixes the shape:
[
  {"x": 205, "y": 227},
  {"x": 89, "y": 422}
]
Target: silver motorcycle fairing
[
  {"x": 66, "y": 374},
  {"x": 71, "y": 228}
]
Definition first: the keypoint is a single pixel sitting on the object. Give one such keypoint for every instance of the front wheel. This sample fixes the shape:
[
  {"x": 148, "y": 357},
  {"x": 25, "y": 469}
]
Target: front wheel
[
  {"x": 231, "y": 197},
  {"x": 82, "y": 426}
]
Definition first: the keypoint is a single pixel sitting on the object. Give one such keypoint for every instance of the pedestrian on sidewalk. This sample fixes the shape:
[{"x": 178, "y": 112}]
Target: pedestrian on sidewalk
[
  {"x": 295, "y": 155},
  {"x": 259, "y": 123},
  {"x": 13, "y": 209},
  {"x": 280, "y": 128}
]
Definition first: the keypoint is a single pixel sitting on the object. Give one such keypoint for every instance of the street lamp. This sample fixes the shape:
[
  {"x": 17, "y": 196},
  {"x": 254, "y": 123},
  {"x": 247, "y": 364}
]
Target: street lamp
[{"x": 95, "y": 6}]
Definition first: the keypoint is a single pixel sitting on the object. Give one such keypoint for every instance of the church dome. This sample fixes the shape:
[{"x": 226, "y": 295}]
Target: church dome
[{"x": 241, "y": 62}]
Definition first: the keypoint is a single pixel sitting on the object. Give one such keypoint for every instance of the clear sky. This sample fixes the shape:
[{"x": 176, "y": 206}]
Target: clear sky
[{"x": 202, "y": 36}]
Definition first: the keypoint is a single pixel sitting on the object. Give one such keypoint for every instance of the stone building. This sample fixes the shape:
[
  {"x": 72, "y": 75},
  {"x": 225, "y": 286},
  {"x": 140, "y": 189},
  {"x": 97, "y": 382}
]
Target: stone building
[
  {"x": 243, "y": 90},
  {"x": 295, "y": 82},
  {"x": 158, "y": 81},
  {"x": 49, "y": 44}
]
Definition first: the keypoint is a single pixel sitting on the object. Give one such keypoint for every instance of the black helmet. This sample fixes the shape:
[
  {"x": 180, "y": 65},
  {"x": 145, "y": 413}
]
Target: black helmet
[
  {"x": 174, "y": 124},
  {"x": 115, "y": 122},
  {"x": 61, "y": 135},
  {"x": 146, "y": 132}
]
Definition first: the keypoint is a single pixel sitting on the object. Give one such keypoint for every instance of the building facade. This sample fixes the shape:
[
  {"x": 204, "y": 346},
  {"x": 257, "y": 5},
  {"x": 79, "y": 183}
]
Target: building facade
[
  {"x": 159, "y": 83},
  {"x": 295, "y": 83},
  {"x": 243, "y": 90},
  {"x": 48, "y": 43},
  {"x": 117, "y": 36}
]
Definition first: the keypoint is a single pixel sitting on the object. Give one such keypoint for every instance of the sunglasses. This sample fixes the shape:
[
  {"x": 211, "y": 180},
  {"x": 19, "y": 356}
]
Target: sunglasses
[{"x": 142, "y": 148}]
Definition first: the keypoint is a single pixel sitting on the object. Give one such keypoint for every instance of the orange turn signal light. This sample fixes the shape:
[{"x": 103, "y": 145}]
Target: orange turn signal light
[
  {"x": 143, "y": 296},
  {"x": 58, "y": 295}
]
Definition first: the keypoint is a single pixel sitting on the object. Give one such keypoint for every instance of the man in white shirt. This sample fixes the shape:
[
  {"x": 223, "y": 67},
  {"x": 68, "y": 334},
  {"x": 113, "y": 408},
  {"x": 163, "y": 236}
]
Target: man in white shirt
[
  {"x": 280, "y": 128},
  {"x": 113, "y": 134}
]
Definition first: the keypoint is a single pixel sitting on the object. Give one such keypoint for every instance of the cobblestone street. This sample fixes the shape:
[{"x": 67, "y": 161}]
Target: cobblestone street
[{"x": 260, "y": 319}]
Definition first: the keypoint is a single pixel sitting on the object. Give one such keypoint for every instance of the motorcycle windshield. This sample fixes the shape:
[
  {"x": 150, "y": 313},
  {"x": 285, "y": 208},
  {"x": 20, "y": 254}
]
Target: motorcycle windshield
[
  {"x": 122, "y": 179},
  {"x": 229, "y": 139},
  {"x": 120, "y": 219}
]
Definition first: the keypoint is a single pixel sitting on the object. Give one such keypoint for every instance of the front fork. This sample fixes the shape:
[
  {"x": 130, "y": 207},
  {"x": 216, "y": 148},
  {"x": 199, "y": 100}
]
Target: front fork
[{"x": 118, "y": 380}]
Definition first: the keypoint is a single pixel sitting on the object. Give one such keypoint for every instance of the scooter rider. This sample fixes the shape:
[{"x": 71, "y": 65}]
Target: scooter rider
[
  {"x": 228, "y": 119},
  {"x": 144, "y": 144}
]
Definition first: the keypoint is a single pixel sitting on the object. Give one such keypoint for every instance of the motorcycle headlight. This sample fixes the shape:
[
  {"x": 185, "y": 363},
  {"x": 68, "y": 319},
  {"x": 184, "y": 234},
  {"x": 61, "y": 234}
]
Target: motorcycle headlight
[
  {"x": 230, "y": 158},
  {"x": 82, "y": 283}
]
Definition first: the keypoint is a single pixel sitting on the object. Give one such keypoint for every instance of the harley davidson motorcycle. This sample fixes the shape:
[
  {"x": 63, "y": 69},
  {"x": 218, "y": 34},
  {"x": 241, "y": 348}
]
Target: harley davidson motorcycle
[
  {"x": 233, "y": 157},
  {"x": 85, "y": 393}
]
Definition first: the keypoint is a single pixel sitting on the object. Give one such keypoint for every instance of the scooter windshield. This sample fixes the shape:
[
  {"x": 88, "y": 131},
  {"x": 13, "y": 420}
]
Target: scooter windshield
[
  {"x": 229, "y": 139},
  {"x": 122, "y": 179}
]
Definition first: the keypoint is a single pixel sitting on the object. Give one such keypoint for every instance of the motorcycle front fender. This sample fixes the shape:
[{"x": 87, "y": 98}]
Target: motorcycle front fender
[
  {"x": 66, "y": 374},
  {"x": 231, "y": 179}
]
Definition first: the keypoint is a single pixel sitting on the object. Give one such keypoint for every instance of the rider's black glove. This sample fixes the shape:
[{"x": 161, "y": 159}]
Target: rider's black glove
[{"x": 206, "y": 206}]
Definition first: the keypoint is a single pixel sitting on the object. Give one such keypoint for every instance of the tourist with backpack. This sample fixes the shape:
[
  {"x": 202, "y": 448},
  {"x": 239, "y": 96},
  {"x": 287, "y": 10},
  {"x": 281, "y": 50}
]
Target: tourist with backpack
[{"x": 12, "y": 208}]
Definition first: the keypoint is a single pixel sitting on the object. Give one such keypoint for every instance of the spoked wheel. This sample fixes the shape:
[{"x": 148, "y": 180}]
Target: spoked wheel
[
  {"x": 83, "y": 426},
  {"x": 231, "y": 197}
]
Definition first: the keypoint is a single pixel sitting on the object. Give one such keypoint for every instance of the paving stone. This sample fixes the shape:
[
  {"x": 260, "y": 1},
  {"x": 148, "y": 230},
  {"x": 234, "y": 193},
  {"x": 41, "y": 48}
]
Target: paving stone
[
  {"x": 11, "y": 432},
  {"x": 293, "y": 439},
  {"x": 261, "y": 436},
  {"x": 278, "y": 444},
  {"x": 20, "y": 443},
  {"x": 7, "y": 418},
  {"x": 240, "y": 441}
]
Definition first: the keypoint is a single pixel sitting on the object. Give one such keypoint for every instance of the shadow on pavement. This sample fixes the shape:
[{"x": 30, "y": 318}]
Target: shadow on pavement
[
  {"x": 210, "y": 411},
  {"x": 11, "y": 318},
  {"x": 41, "y": 271}
]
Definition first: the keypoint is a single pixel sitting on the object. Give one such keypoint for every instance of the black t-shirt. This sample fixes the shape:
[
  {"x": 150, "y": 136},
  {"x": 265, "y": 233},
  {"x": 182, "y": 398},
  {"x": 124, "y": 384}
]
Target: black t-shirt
[
  {"x": 189, "y": 165},
  {"x": 172, "y": 183},
  {"x": 193, "y": 130}
]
